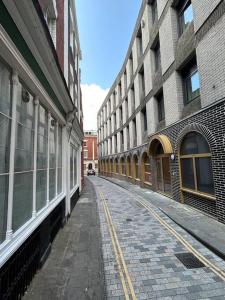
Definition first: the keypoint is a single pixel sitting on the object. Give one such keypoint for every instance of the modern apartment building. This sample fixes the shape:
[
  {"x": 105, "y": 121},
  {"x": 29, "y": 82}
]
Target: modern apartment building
[
  {"x": 162, "y": 123},
  {"x": 41, "y": 133},
  {"x": 90, "y": 151}
]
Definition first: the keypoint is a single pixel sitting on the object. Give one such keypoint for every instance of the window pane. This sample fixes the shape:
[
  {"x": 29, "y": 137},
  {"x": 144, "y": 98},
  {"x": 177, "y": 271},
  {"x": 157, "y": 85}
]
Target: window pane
[
  {"x": 75, "y": 167},
  {"x": 195, "y": 82},
  {"x": 52, "y": 187},
  {"x": 24, "y": 149},
  {"x": 71, "y": 167},
  {"x": 42, "y": 139},
  {"x": 59, "y": 180},
  {"x": 22, "y": 199},
  {"x": 3, "y": 205},
  {"x": 204, "y": 175},
  {"x": 59, "y": 190},
  {"x": 41, "y": 196},
  {"x": 5, "y": 90},
  {"x": 5, "y": 125},
  {"x": 187, "y": 173},
  {"x": 52, "y": 145},
  {"x": 188, "y": 15},
  {"x": 194, "y": 143}
]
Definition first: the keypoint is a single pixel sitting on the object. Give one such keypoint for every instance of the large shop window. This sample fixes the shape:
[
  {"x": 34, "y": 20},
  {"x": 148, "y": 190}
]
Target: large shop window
[
  {"x": 59, "y": 189},
  {"x": 5, "y": 124},
  {"x": 42, "y": 158},
  {"x": 52, "y": 160},
  {"x": 196, "y": 165},
  {"x": 23, "y": 176}
]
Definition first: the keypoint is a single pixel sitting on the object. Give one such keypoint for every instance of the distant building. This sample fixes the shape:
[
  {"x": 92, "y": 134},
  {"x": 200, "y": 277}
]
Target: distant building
[
  {"x": 41, "y": 133},
  {"x": 161, "y": 125},
  {"x": 90, "y": 151}
]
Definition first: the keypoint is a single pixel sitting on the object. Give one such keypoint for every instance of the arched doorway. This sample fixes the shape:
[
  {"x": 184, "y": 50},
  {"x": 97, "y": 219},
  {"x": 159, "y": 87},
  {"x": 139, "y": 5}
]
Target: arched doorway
[
  {"x": 128, "y": 167},
  {"x": 135, "y": 167},
  {"x": 161, "y": 149},
  {"x": 90, "y": 166}
]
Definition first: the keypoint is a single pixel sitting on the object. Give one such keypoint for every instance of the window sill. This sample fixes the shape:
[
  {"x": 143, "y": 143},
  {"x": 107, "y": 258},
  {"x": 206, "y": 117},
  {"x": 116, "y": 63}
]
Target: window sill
[{"x": 203, "y": 195}]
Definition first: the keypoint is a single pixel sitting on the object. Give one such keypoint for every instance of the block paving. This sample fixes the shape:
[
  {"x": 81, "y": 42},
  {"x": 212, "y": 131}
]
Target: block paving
[{"x": 149, "y": 250}]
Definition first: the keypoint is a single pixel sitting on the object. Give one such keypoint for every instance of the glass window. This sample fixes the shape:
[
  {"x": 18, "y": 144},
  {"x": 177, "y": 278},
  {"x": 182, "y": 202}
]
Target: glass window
[
  {"x": 24, "y": 152},
  {"x": 194, "y": 143},
  {"x": 42, "y": 156},
  {"x": 187, "y": 173},
  {"x": 157, "y": 57},
  {"x": 192, "y": 85},
  {"x": 75, "y": 167},
  {"x": 59, "y": 189},
  {"x": 186, "y": 15},
  {"x": 71, "y": 167},
  {"x": 147, "y": 169},
  {"x": 161, "y": 109},
  {"x": 196, "y": 165},
  {"x": 154, "y": 11},
  {"x": 52, "y": 160}
]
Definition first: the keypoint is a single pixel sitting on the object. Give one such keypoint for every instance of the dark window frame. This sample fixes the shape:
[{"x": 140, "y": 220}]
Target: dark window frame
[
  {"x": 181, "y": 10},
  {"x": 161, "y": 107},
  {"x": 187, "y": 77}
]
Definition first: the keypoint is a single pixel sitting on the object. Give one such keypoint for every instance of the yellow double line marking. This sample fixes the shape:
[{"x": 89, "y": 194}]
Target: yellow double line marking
[
  {"x": 127, "y": 285},
  {"x": 179, "y": 237}
]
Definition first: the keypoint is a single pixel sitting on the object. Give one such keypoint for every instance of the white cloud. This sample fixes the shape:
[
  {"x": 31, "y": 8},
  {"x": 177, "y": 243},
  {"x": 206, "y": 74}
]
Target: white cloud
[{"x": 92, "y": 97}]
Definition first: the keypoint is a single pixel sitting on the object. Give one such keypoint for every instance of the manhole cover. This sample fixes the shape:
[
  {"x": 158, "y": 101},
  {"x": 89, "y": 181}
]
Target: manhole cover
[
  {"x": 189, "y": 260},
  {"x": 129, "y": 220}
]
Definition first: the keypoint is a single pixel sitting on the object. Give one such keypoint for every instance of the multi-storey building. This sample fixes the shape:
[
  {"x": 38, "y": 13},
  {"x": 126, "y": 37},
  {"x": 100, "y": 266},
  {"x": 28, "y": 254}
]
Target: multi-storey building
[
  {"x": 162, "y": 123},
  {"x": 90, "y": 151},
  {"x": 41, "y": 132}
]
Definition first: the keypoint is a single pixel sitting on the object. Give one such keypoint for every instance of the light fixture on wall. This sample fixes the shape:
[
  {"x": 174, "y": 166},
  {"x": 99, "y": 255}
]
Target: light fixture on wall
[
  {"x": 172, "y": 156},
  {"x": 25, "y": 95}
]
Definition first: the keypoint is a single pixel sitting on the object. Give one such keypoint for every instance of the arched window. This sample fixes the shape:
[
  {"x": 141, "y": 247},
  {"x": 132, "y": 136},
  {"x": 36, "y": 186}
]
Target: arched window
[
  {"x": 128, "y": 167},
  {"x": 116, "y": 166},
  {"x": 196, "y": 164}
]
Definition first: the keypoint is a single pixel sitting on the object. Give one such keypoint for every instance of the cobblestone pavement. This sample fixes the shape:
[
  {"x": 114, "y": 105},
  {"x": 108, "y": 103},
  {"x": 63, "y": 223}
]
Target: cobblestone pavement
[{"x": 140, "y": 244}]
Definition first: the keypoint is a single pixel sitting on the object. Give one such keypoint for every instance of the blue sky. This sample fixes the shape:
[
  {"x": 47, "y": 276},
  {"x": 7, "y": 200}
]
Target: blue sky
[{"x": 105, "y": 29}]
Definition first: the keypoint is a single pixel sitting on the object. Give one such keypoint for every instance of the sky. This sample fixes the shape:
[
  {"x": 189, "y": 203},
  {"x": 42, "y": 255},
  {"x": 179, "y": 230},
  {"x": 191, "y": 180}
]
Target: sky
[{"x": 105, "y": 30}]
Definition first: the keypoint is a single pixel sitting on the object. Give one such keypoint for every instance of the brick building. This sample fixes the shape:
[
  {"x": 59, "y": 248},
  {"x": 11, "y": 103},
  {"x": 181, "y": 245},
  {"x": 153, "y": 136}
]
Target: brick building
[
  {"x": 162, "y": 123},
  {"x": 41, "y": 133},
  {"x": 90, "y": 151}
]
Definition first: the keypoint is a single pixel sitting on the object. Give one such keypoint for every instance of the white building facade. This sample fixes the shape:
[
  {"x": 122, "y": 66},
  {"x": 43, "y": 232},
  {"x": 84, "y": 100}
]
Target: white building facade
[{"x": 41, "y": 130}]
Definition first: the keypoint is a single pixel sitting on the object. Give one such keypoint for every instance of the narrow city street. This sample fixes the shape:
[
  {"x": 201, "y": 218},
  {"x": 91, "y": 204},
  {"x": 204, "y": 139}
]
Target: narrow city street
[{"x": 146, "y": 255}]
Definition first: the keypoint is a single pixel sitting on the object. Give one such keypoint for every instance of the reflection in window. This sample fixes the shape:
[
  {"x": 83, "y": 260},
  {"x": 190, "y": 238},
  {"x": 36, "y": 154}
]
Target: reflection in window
[
  {"x": 161, "y": 109},
  {"x": 196, "y": 165},
  {"x": 52, "y": 160},
  {"x": 42, "y": 154},
  {"x": 23, "y": 177},
  {"x": 186, "y": 16},
  {"x": 5, "y": 124}
]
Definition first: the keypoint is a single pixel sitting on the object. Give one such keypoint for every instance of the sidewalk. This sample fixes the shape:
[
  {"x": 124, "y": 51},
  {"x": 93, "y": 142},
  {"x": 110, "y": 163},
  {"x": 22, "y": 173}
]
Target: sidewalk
[
  {"x": 204, "y": 228},
  {"x": 74, "y": 268}
]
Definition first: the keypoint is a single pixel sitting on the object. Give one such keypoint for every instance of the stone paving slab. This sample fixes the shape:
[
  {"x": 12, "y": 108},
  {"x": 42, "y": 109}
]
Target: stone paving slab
[
  {"x": 74, "y": 268},
  {"x": 149, "y": 251}
]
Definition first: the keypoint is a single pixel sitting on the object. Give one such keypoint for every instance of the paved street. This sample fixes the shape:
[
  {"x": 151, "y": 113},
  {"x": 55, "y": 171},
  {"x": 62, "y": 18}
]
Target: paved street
[{"x": 141, "y": 249}]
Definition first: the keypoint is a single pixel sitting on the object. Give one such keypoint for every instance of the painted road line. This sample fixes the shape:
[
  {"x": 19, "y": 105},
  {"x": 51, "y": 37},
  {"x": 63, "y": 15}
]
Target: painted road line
[
  {"x": 123, "y": 271},
  {"x": 219, "y": 272}
]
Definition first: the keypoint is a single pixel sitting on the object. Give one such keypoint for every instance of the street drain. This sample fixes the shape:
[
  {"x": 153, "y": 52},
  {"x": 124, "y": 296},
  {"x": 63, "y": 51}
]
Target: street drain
[
  {"x": 189, "y": 260},
  {"x": 129, "y": 220}
]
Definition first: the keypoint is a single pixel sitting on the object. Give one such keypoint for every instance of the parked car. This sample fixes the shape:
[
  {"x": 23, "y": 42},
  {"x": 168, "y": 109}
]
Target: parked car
[{"x": 91, "y": 172}]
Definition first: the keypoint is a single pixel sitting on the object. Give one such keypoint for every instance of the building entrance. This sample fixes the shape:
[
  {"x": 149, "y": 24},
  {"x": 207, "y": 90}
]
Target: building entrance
[
  {"x": 90, "y": 166},
  {"x": 160, "y": 150}
]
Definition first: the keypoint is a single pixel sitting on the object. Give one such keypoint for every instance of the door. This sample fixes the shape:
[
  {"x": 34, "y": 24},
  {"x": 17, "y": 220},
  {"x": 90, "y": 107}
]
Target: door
[{"x": 163, "y": 175}]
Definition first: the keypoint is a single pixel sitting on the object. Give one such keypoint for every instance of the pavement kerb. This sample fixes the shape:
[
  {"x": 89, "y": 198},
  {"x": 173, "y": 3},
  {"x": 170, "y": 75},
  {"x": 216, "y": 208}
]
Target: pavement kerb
[{"x": 210, "y": 246}]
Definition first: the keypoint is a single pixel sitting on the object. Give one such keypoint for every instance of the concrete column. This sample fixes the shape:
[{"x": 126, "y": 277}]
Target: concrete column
[{"x": 36, "y": 108}]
